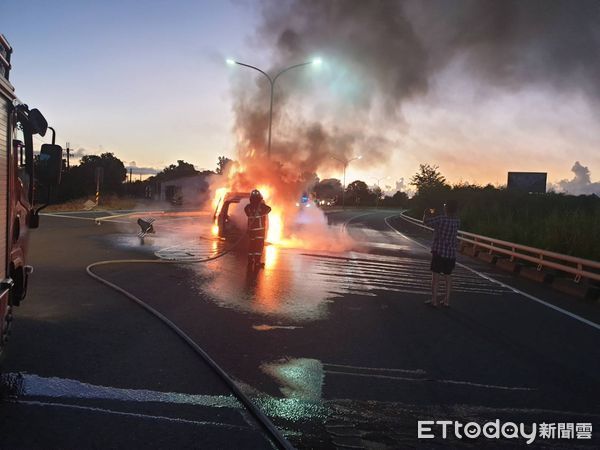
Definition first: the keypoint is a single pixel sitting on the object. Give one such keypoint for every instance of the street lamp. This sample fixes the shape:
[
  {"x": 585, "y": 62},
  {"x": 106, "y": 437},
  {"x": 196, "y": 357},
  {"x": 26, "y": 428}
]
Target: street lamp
[
  {"x": 316, "y": 62},
  {"x": 345, "y": 162}
]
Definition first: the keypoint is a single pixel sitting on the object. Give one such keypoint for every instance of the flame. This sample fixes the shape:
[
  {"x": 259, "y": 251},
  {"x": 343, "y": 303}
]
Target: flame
[
  {"x": 275, "y": 220},
  {"x": 219, "y": 196},
  {"x": 270, "y": 256},
  {"x": 275, "y": 231},
  {"x": 281, "y": 191}
]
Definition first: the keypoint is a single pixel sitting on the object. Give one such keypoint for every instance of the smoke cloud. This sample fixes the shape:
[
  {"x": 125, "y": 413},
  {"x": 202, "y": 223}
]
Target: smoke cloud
[
  {"x": 581, "y": 184},
  {"x": 379, "y": 54}
]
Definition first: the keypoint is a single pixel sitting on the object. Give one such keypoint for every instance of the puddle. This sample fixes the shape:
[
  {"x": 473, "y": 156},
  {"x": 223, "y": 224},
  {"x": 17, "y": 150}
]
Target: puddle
[
  {"x": 298, "y": 287},
  {"x": 300, "y": 378}
]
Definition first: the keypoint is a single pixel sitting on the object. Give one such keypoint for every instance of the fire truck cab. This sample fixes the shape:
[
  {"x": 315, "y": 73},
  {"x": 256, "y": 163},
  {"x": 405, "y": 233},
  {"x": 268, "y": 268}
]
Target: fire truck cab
[{"x": 18, "y": 125}]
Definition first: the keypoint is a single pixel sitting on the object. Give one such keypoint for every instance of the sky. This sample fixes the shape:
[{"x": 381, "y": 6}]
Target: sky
[{"x": 148, "y": 82}]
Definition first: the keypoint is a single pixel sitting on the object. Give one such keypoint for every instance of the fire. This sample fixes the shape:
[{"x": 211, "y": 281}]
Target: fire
[
  {"x": 218, "y": 198},
  {"x": 275, "y": 230},
  {"x": 289, "y": 224}
]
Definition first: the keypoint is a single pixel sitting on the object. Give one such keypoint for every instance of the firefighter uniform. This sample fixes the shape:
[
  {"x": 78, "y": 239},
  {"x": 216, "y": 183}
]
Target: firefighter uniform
[{"x": 257, "y": 226}]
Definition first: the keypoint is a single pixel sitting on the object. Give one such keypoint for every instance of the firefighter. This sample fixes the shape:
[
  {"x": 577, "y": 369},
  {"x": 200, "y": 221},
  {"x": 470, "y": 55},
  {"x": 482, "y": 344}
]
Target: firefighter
[{"x": 257, "y": 212}]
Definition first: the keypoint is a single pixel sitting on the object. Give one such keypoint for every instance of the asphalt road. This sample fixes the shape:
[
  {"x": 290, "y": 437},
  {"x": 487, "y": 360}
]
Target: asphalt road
[{"x": 335, "y": 346}]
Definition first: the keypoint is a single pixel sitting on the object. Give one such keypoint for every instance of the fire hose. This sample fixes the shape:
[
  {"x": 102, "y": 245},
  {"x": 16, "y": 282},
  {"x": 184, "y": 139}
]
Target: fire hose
[{"x": 260, "y": 417}]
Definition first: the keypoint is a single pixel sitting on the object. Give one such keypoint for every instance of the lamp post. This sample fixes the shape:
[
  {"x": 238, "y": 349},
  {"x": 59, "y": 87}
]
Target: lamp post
[
  {"x": 345, "y": 162},
  {"x": 272, "y": 81}
]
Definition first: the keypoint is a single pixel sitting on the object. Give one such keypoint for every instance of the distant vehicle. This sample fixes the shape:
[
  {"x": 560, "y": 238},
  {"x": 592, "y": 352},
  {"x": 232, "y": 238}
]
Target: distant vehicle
[
  {"x": 304, "y": 201},
  {"x": 18, "y": 125}
]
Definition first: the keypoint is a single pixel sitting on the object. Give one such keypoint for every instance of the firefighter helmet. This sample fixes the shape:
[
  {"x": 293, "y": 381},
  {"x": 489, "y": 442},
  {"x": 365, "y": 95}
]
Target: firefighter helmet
[{"x": 255, "y": 197}]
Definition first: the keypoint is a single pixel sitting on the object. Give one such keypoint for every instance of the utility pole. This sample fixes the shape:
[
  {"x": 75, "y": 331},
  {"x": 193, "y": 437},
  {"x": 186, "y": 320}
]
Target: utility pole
[
  {"x": 130, "y": 174},
  {"x": 68, "y": 156}
]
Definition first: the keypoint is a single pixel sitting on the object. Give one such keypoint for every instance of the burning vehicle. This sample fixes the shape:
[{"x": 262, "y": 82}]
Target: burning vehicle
[
  {"x": 229, "y": 218},
  {"x": 230, "y": 221}
]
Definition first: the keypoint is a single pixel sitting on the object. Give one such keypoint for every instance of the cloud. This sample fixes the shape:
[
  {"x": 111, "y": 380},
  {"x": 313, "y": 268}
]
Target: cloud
[
  {"x": 141, "y": 170},
  {"x": 581, "y": 184},
  {"x": 77, "y": 154}
]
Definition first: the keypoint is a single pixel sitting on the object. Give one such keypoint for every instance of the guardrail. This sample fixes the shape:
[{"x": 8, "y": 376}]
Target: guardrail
[{"x": 579, "y": 267}]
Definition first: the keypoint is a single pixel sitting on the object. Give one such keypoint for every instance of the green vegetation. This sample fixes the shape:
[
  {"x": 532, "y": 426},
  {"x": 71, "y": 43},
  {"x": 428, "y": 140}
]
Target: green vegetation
[
  {"x": 80, "y": 180},
  {"x": 557, "y": 222}
]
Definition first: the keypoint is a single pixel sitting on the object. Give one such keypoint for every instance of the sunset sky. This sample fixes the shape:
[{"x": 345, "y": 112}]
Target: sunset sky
[{"x": 148, "y": 81}]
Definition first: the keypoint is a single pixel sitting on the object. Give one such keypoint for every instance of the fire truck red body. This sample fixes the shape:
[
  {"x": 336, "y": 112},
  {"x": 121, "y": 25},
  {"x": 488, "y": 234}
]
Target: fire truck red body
[{"x": 18, "y": 124}]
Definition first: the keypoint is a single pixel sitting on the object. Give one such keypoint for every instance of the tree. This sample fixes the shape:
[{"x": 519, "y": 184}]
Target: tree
[
  {"x": 172, "y": 171},
  {"x": 377, "y": 192},
  {"x": 221, "y": 164},
  {"x": 398, "y": 199},
  {"x": 328, "y": 189},
  {"x": 427, "y": 178},
  {"x": 114, "y": 172},
  {"x": 358, "y": 193},
  {"x": 80, "y": 180}
]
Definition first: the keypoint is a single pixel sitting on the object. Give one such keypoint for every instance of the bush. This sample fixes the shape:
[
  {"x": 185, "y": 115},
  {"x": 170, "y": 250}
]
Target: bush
[{"x": 556, "y": 222}]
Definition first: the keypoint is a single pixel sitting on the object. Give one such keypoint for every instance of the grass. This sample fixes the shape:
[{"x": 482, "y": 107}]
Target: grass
[{"x": 561, "y": 223}]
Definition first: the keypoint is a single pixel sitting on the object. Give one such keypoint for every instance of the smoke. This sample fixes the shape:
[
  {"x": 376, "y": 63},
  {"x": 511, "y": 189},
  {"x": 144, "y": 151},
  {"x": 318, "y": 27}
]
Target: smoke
[
  {"x": 379, "y": 54},
  {"x": 514, "y": 43},
  {"x": 581, "y": 184},
  {"x": 402, "y": 186}
]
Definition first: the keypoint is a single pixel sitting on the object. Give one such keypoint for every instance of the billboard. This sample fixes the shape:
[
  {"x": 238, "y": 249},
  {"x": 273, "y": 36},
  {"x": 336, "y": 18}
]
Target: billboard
[{"x": 527, "y": 182}]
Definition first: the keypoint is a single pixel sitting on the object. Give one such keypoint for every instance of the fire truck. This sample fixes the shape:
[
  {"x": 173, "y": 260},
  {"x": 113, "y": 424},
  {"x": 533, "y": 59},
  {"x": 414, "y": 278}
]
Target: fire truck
[{"x": 18, "y": 187}]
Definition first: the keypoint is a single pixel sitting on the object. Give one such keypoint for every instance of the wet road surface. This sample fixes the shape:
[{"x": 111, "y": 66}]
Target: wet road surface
[{"x": 336, "y": 347}]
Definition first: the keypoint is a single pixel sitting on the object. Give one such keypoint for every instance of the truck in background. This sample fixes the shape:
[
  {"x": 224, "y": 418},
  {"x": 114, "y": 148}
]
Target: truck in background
[{"x": 18, "y": 188}]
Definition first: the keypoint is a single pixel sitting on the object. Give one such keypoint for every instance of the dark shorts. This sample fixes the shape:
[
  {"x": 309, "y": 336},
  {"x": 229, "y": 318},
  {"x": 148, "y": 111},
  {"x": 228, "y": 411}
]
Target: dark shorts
[{"x": 442, "y": 265}]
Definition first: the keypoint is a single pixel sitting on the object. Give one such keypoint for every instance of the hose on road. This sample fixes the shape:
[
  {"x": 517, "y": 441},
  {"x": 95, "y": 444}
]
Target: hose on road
[{"x": 260, "y": 417}]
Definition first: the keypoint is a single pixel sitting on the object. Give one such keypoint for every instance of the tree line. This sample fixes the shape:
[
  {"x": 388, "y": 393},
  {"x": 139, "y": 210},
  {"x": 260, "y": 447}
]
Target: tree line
[{"x": 553, "y": 221}]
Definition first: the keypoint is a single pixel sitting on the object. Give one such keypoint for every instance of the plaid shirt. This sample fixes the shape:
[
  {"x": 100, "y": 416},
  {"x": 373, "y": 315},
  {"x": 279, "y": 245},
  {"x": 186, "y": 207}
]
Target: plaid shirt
[{"x": 445, "y": 231}]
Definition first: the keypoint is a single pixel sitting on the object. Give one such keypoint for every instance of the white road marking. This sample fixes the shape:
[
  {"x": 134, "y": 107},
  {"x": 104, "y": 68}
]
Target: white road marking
[
  {"x": 347, "y": 222},
  {"x": 504, "y": 285},
  {"x": 377, "y": 369},
  {"x": 64, "y": 216},
  {"x": 465, "y": 383},
  {"x": 265, "y": 327},
  {"x": 128, "y": 414}
]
